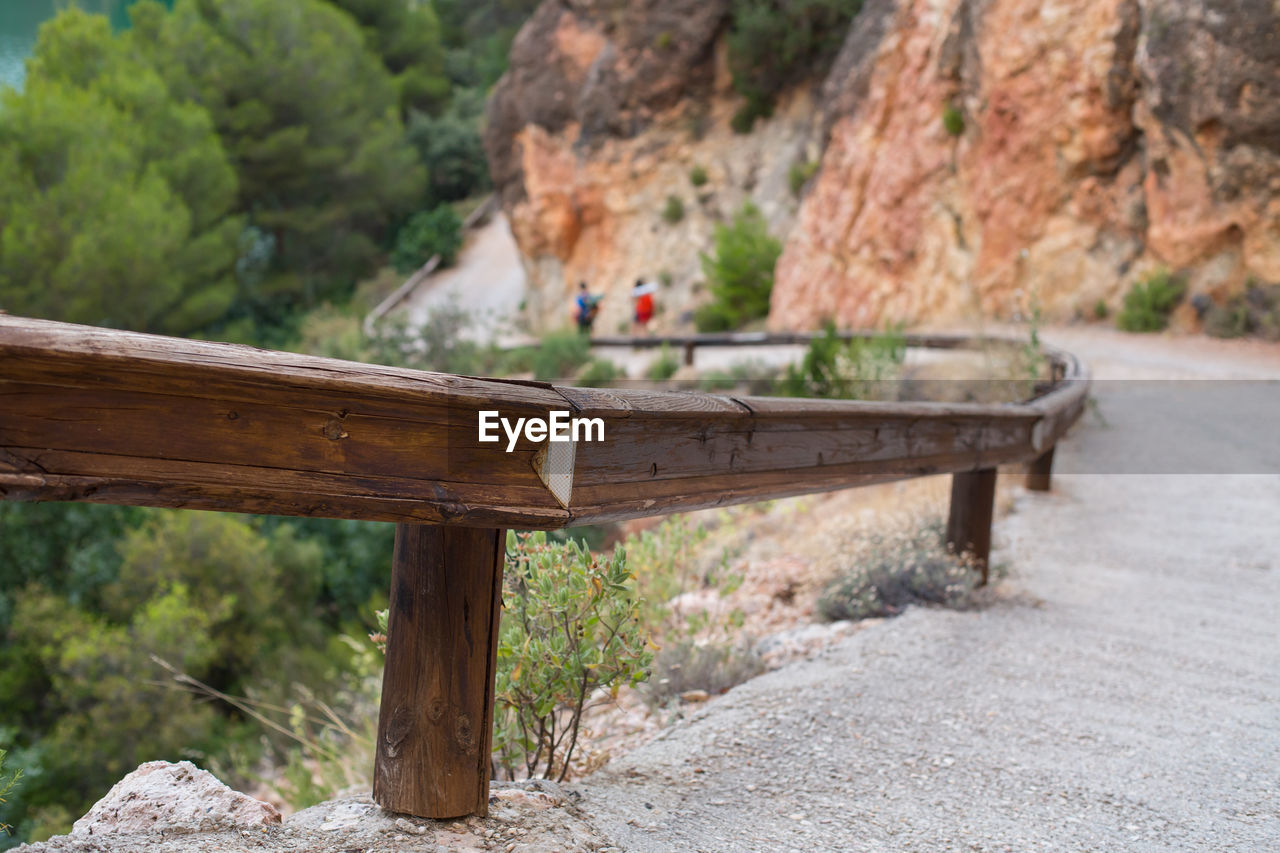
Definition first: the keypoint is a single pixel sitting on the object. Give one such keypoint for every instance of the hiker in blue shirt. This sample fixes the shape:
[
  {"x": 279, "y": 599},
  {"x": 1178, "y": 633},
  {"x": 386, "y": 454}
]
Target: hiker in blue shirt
[{"x": 587, "y": 307}]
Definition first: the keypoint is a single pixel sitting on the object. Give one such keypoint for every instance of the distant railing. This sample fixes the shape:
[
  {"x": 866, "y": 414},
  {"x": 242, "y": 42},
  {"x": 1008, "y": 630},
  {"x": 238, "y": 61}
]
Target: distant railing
[{"x": 98, "y": 415}]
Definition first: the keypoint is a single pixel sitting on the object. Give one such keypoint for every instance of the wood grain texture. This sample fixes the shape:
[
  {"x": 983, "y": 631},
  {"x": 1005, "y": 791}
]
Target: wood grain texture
[
  {"x": 435, "y": 723},
  {"x": 108, "y": 416},
  {"x": 973, "y": 500}
]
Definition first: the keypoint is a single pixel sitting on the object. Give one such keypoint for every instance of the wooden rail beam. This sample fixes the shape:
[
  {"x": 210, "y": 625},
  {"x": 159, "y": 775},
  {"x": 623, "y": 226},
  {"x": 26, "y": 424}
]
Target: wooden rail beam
[
  {"x": 435, "y": 723},
  {"x": 973, "y": 495}
]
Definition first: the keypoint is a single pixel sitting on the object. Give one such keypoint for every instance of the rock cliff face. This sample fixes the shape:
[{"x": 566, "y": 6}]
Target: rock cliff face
[{"x": 1100, "y": 138}]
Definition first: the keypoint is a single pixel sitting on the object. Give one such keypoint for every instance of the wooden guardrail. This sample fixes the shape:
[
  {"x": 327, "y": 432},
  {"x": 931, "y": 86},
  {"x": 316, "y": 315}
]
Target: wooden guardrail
[{"x": 90, "y": 414}]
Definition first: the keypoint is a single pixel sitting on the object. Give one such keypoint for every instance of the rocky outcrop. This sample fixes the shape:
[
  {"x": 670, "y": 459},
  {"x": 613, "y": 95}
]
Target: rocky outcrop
[
  {"x": 1100, "y": 139},
  {"x": 607, "y": 110},
  {"x": 172, "y": 798},
  {"x": 1090, "y": 141}
]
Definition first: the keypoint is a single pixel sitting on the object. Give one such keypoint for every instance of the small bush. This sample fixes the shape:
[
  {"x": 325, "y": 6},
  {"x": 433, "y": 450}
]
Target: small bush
[
  {"x": 755, "y": 107},
  {"x": 1148, "y": 303},
  {"x": 664, "y": 366},
  {"x": 904, "y": 567},
  {"x": 673, "y": 211},
  {"x": 697, "y": 176},
  {"x": 430, "y": 232},
  {"x": 7, "y": 785},
  {"x": 751, "y": 377},
  {"x": 1255, "y": 312},
  {"x": 1101, "y": 310},
  {"x": 953, "y": 120},
  {"x": 559, "y": 355},
  {"x": 664, "y": 40},
  {"x": 569, "y": 629},
  {"x": 773, "y": 44},
  {"x": 689, "y": 665},
  {"x": 599, "y": 373},
  {"x": 799, "y": 174},
  {"x": 857, "y": 369},
  {"x": 740, "y": 272}
]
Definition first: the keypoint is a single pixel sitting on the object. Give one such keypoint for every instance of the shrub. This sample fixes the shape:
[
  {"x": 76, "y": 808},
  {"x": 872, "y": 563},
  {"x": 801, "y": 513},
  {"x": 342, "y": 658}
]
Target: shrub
[
  {"x": 429, "y": 232},
  {"x": 1254, "y": 312},
  {"x": 569, "y": 629},
  {"x": 752, "y": 377},
  {"x": 664, "y": 366},
  {"x": 1148, "y": 303},
  {"x": 7, "y": 785},
  {"x": 858, "y": 369},
  {"x": 906, "y": 566},
  {"x": 560, "y": 354},
  {"x": 599, "y": 373},
  {"x": 690, "y": 665},
  {"x": 800, "y": 173},
  {"x": 773, "y": 43},
  {"x": 953, "y": 120},
  {"x": 450, "y": 148},
  {"x": 740, "y": 272},
  {"x": 697, "y": 176},
  {"x": 1101, "y": 310},
  {"x": 673, "y": 211}
]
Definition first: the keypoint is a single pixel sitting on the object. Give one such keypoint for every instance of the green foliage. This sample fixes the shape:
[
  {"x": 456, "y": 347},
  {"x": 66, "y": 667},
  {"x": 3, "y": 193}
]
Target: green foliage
[
  {"x": 953, "y": 120},
  {"x": 673, "y": 210},
  {"x": 406, "y": 35},
  {"x": 774, "y": 43},
  {"x": 740, "y": 272},
  {"x": 750, "y": 377},
  {"x": 559, "y": 355},
  {"x": 229, "y": 601},
  {"x": 1101, "y": 310},
  {"x": 799, "y": 174},
  {"x": 569, "y": 631},
  {"x": 478, "y": 35},
  {"x": 115, "y": 202},
  {"x": 857, "y": 369},
  {"x": 898, "y": 568},
  {"x": 1148, "y": 303},
  {"x": 697, "y": 176},
  {"x": 599, "y": 373},
  {"x": 1255, "y": 312},
  {"x": 664, "y": 366},
  {"x": 450, "y": 148},
  {"x": 714, "y": 667},
  {"x": 7, "y": 785},
  {"x": 429, "y": 232},
  {"x": 311, "y": 119}
]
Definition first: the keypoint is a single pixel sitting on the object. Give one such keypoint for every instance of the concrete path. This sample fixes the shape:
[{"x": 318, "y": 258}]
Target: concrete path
[
  {"x": 488, "y": 281},
  {"x": 1124, "y": 696}
]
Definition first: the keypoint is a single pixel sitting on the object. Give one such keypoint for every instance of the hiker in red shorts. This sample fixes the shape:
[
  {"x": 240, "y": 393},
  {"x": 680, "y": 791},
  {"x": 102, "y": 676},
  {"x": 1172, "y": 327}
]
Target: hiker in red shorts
[{"x": 642, "y": 295}]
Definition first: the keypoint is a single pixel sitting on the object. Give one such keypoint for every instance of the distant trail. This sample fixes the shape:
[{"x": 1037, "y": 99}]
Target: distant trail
[
  {"x": 488, "y": 282},
  {"x": 1124, "y": 696}
]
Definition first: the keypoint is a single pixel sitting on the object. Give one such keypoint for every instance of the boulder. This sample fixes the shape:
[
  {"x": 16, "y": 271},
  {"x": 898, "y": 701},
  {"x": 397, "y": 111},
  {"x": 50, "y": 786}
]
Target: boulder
[{"x": 178, "y": 797}]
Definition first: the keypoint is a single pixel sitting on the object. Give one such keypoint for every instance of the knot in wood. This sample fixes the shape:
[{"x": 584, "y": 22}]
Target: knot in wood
[
  {"x": 464, "y": 733},
  {"x": 333, "y": 430}
]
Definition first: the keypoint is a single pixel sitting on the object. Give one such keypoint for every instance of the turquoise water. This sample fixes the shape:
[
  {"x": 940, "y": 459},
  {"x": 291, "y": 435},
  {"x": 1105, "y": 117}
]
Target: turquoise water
[{"x": 20, "y": 19}]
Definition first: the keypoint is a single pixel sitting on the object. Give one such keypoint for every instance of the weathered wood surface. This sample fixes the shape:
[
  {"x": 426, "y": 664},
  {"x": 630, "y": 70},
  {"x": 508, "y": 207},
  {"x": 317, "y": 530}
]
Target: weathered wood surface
[
  {"x": 116, "y": 417},
  {"x": 973, "y": 500},
  {"x": 435, "y": 723}
]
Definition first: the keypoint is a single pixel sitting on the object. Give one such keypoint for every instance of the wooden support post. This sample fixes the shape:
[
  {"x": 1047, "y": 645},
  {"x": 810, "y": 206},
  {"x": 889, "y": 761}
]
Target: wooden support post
[
  {"x": 688, "y": 353},
  {"x": 1038, "y": 474},
  {"x": 436, "y": 721},
  {"x": 973, "y": 498}
]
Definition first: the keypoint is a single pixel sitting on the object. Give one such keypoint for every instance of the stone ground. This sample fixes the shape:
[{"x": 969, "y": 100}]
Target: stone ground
[{"x": 1120, "y": 693}]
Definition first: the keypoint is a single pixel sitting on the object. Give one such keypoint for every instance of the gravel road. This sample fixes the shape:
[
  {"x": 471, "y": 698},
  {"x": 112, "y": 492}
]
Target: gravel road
[{"x": 1124, "y": 694}]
